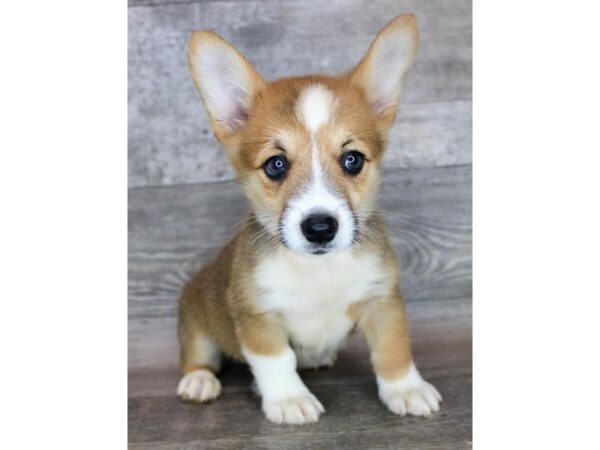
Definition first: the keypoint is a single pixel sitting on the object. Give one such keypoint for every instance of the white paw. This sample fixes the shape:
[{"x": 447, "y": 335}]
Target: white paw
[
  {"x": 294, "y": 410},
  {"x": 410, "y": 395},
  {"x": 419, "y": 401},
  {"x": 199, "y": 386}
]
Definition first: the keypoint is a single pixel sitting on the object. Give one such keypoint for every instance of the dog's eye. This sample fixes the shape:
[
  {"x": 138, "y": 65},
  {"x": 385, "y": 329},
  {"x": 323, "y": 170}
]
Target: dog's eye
[
  {"x": 276, "y": 167},
  {"x": 352, "y": 162}
]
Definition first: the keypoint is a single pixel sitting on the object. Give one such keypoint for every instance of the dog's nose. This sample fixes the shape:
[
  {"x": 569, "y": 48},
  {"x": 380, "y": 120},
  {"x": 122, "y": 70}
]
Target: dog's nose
[{"x": 319, "y": 228}]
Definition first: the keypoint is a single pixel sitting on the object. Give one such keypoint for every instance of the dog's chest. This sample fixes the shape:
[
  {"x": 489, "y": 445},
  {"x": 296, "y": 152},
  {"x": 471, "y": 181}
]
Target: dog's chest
[{"x": 313, "y": 295}]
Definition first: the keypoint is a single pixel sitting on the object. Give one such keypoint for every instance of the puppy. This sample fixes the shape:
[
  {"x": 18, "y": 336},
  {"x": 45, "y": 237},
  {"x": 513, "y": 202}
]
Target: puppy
[{"x": 313, "y": 261}]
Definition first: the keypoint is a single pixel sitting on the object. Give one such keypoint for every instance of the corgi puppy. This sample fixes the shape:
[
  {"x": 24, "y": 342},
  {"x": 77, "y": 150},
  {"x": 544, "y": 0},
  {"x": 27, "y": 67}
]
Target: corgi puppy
[{"x": 313, "y": 260}]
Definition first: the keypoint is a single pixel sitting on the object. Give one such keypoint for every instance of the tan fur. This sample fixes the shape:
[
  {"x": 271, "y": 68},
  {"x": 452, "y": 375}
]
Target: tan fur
[
  {"x": 383, "y": 322},
  {"x": 221, "y": 302},
  {"x": 188, "y": 368}
]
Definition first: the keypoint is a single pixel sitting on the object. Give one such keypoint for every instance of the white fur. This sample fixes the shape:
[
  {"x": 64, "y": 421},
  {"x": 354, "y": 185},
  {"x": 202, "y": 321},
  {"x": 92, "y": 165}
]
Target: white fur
[
  {"x": 285, "y": 398},
  {"x": 409, "y": 394},
  {"x": 314, "y": 107},
  {"x": 312, "y": 294},
  {"x": 200, "y": 386},
  {"x": 223, "y": 82},
  {"x": 316, "y": 196},
  {"x": 393, "y": 57}
]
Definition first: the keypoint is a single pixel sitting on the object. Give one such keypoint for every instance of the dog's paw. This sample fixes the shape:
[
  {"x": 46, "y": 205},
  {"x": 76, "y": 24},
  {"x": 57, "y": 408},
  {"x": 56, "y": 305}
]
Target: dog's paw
[
  {"x": 418, "y": 401},
  {"x": 410, "y": 395},
  {"x": 199, "y": 386},
  {"x": 294, "y": 410}
]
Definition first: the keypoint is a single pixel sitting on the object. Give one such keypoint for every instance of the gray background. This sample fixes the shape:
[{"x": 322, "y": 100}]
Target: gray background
[
  {"x": 184, "y": 206},
  {"x": 169, "y": 137}
]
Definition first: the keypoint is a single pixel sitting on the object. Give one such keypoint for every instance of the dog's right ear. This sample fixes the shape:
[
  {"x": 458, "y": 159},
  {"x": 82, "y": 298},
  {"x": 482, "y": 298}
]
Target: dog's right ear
[{"x": 226, "y": 81}]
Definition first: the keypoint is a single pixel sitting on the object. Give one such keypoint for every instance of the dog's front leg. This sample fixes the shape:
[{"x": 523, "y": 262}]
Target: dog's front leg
[
  {"x": 400, "y": 386},
  {"x": 285, "y": 398}
]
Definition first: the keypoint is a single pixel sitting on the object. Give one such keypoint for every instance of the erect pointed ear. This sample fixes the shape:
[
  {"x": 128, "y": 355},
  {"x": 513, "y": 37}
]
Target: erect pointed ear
[
  {"x": 381, "y": 72},
  {"x": 226, "y": 80}
]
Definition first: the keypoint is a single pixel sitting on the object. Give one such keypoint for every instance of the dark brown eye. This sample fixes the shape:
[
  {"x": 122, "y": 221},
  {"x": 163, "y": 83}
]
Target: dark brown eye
[
  {"x": 352, "y": 162},
  {"x": 276, "y": 167}
]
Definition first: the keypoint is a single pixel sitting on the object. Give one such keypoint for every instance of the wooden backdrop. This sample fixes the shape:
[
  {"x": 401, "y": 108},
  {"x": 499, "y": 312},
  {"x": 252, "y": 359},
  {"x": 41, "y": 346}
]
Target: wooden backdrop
[
  {"x": 183, "y": 207},
  {"x": 169, "y": 137}
]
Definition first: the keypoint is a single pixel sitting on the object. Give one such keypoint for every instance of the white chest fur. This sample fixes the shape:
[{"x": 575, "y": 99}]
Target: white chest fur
[{"x": 312, "y": 295}]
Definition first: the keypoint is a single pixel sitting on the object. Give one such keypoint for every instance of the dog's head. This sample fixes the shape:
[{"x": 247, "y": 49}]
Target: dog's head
[{"x": 307, "y": 150}]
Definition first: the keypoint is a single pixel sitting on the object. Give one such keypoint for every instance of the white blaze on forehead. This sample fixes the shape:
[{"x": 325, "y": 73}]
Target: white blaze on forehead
[
  {"x": 314, "y": 107},
  {"x": 314, "y": 110}
]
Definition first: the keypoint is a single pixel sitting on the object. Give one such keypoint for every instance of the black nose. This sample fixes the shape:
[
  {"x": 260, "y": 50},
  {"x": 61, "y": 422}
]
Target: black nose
[{"x": 319, "y": 228}]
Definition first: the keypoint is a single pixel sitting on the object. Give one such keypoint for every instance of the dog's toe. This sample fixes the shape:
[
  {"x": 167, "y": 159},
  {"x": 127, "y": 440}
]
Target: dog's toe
[
  {"x": 199, "y": 386},
  {"x": 295, "y": 410},
  {"x": 422, "y": 400}
]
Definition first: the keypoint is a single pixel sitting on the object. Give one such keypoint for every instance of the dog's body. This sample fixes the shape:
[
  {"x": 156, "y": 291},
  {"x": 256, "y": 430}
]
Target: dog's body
[{"x": 313, "y": 260}]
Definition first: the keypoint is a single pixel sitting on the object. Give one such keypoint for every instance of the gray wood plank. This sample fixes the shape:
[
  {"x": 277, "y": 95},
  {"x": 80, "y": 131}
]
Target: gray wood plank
[
  {"x": 173, "y": 231},
  {"x": 440, "y": 334},
  {"x": 355, "y": 419},
  {"x": 131, "y": 3},
  {"x": 169, "y": 137}
]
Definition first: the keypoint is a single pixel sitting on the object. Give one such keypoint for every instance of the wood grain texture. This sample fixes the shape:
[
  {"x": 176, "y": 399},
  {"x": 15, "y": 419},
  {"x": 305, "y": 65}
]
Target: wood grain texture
[
  {"x": 355, "y": 418},
  {"x": 235, "y": 421},
  {"x": 169, "y": 137},
  {"x": 440, "y": 333},
  {"x": 171, "y": 2},
  {"x": 174, "y": 230}
]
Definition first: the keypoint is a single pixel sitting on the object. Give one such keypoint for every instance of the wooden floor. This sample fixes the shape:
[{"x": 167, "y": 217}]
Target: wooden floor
[{"x": 174, "y": 230}]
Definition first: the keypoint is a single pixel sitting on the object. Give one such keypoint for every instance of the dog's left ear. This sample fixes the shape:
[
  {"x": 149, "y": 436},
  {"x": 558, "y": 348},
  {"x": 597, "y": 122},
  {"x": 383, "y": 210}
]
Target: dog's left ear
[{"x": 381, "y": 72}]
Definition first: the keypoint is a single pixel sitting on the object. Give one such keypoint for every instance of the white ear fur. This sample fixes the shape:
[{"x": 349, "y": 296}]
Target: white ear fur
[
  {"x": 225, "y": 79},
  {"x": 382, "y": 70}
]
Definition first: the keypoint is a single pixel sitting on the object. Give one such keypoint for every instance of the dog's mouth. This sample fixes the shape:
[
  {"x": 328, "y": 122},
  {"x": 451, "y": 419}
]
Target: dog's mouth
[
  {"x": 310, "y": 249},
  {"x": 321, "y": 250}
]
